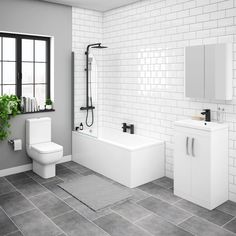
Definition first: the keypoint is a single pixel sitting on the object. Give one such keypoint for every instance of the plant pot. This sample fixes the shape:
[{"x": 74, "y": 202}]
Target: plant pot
[{"x": 48, "y": 107}]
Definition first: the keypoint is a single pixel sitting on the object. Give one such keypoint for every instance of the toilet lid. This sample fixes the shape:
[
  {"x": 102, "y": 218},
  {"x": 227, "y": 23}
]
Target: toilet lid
[{"x": 47, "y": 147}]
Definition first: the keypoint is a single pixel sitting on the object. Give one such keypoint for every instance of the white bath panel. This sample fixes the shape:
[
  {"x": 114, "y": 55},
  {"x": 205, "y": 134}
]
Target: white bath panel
[{"x": 130, "y": 160}]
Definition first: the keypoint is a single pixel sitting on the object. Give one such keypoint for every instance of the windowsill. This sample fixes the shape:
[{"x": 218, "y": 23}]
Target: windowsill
[{"x": 41, "y": 111}]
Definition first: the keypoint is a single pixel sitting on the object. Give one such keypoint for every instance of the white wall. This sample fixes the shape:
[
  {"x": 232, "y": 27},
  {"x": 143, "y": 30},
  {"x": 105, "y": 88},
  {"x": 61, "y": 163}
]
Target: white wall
[{"x": 143, "y": 70}]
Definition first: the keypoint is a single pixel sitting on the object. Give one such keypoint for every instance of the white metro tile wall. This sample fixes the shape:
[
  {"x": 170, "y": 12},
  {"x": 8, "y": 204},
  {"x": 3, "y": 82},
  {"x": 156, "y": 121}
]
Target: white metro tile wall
[{"x": 142, "y": 75}]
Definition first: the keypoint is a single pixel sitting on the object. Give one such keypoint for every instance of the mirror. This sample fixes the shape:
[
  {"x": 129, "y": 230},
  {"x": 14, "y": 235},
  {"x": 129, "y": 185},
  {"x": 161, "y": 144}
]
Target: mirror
[{"x": 208, "y": 71}]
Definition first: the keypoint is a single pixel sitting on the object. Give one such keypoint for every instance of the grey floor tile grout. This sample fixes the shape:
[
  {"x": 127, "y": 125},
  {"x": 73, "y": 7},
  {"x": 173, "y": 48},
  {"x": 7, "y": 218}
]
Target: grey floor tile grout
[
  {"x": 142, "y": 218},
  {"x": 37, "y": 209},
  {"x": 134, "y": 202},
  {"x": 221, "y": 226},
  {"x": 149, "y": 195},
  {"x": 131, "y": 222},
  {"x": 155, "y": 196},
  {"x": 162, "y": 186},
  {"x": 7, "y": 192},
  {"x": 68, "y": 197},
  {"x": 46, "y": 181},
  {"x": 228, "y": 222},
  {"x": 96, "y": 218},
  {"x": 36, "y": 195},
  {"x": 173, "y": 204},
  {"x": 213, "y": 224},
  {"x": 185, "y": 211},
  {"x": 11, "y": 232},
  {"x": 177, "y": 225},
  {"x": 18, "y": 180},
  {"x": 72, "y": 209},
  {"x": 167, "y": 221},
  {"x": 225, "y": 211},
  {"x": 68, "y": 211},
  {"x": 203, "y": 219},
  {"x": 23, "y": 211},
  {"x": 143, "y": 198},
  {"x": 12, "y": 222},
  {"x": 176, "y": 201},
  {"x": 189, "y": 217}
]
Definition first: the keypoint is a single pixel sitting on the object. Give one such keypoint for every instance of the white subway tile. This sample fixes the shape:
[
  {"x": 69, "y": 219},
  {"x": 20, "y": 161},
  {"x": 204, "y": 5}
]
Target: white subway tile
[{"x": 141, "y": 74}]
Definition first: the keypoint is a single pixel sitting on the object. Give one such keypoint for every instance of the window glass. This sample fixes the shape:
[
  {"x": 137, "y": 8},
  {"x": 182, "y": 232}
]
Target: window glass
[
  {"x": 9, "y": 89},
  {"x": 40, "y": 72},
  {"x": 27, "y": 50},
  {"x": 9, "y": 49},
  {"x": 40, "y": 51},
  {"x": 40, "y": 92},
  {"x": 9, "y": 72},
  {"x": 28, "y": 91},
  {"x": 27, "y": 72}
]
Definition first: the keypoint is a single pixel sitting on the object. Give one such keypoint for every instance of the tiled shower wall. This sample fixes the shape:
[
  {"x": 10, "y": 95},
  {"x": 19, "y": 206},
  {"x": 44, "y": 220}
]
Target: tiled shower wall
[{"x": 142, "y": 78}]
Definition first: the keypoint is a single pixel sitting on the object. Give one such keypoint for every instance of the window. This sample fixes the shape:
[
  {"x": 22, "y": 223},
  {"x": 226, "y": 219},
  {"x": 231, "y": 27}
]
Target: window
[{"x": 25, "y": 66}]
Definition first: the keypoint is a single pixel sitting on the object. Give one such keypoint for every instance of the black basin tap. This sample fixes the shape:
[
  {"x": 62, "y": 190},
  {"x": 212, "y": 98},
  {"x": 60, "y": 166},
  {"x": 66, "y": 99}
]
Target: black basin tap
[
  {"x": 130, "y": 127},
  {"x": 207, "y": 114}
]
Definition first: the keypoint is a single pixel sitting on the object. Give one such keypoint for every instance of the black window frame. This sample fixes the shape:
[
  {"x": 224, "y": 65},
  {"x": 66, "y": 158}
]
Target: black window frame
[{"x": 19, "y": 38}]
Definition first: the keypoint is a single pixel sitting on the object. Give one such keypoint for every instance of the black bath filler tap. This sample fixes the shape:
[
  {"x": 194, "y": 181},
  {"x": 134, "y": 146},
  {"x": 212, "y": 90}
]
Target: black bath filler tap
[{"x": 126, "y": 127}]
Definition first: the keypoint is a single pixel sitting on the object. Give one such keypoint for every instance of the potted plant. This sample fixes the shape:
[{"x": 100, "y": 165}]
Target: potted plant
[
  {"x": 48, "y": 104},
  {"x": 9, "y": 106}
]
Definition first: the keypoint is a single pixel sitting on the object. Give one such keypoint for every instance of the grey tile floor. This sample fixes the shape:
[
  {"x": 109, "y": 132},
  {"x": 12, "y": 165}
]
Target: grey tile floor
[{"x": 32, "y": 206}]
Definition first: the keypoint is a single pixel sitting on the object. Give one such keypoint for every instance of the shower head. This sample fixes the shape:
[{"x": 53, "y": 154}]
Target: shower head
[
  {"x": 99, "y": 46},
  {"x": 94, "y": 45}
]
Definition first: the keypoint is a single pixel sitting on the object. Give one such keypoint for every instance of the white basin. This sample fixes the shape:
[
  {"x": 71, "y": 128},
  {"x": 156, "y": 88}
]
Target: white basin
[{"x": 203, "y": 125}]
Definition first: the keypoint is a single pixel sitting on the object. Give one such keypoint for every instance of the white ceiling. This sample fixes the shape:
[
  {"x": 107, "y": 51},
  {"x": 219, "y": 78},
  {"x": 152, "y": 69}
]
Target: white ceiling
[{"x": 98, "y": 5}]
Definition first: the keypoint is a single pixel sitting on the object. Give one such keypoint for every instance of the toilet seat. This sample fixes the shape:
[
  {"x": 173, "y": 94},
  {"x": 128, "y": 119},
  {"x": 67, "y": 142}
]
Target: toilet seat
[{"x": 49, "y": 147}]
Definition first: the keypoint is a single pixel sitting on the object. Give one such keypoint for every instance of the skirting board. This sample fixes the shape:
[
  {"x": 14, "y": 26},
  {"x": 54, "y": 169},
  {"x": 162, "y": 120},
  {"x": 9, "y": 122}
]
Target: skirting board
[
  {"x": 27, "y": 167},
  {"x": 65, "y": 159}
]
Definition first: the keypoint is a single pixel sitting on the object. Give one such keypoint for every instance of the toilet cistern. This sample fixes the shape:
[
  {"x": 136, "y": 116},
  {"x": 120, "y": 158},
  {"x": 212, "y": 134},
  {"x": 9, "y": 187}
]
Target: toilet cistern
[{"x": 44, "y": 153}]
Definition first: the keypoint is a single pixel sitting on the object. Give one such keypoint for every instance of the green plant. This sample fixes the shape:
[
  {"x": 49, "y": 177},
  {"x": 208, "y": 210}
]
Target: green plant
[
  {"x": 48, "y": 102},
  {"x": 9, "y": 106}
]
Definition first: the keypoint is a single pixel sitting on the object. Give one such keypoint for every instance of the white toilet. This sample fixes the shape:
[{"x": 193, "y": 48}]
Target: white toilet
[{"x": 40, "y": 148}]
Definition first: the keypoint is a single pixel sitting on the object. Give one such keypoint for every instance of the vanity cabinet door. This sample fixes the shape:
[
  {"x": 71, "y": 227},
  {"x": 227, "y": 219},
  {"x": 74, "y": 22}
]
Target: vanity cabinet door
[
  {"x": 182, "y": 164},
  {"x": 192, "y": 169},
  {"x": 194, "y": 72},
  {"x": 201, "y": 166}
]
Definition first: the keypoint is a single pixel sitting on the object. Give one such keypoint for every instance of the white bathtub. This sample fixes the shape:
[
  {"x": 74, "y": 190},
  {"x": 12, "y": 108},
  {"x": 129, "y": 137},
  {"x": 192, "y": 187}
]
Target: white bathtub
[{"x": 131, "y": 160}]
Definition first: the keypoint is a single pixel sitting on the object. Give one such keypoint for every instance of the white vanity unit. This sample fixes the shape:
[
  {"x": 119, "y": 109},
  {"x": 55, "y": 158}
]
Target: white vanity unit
[{"x": 201, "y": 162}]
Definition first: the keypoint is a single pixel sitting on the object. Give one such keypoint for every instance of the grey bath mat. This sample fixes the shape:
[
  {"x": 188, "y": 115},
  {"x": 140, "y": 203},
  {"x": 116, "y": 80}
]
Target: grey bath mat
[{"x": 95, "y": 192}]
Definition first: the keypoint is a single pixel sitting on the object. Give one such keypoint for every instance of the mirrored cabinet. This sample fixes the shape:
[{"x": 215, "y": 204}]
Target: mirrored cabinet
[{"x": 208, "y": 71}]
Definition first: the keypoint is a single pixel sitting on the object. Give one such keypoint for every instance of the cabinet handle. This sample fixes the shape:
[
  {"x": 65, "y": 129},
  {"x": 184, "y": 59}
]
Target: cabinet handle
[
  {"x": 187, "y": 152},
  {"x": 193, "y": 151}
]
